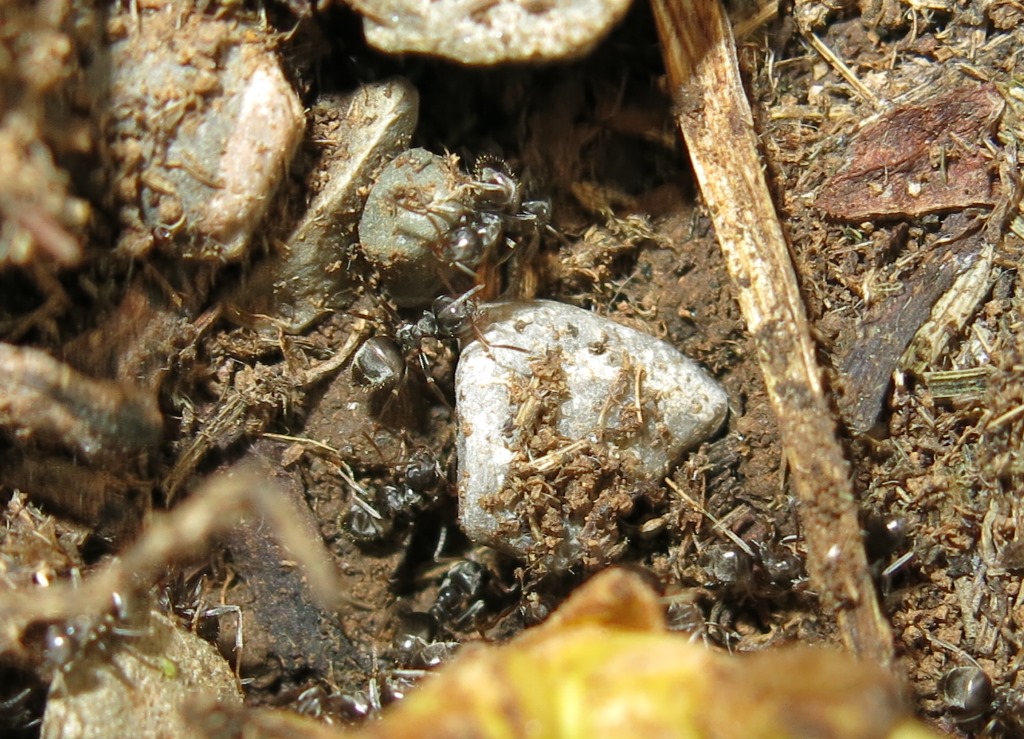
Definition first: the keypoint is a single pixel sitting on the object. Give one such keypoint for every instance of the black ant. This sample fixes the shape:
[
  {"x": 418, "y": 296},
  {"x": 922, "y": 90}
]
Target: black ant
[
  {"x": 415, "y": 644},
  {"x": 484, "y": 214},
  {"x": 467, "y": 589},
  {"x": 424, "y": 213},
  {"x": 460, "y": 597},
  {"x": 764, "y": 568},
  {"x": 374, "y": 519},
  {"x": 380, "y": 362},
  {"x": 976, "y": 702},
  {"x": 66, "y": 644},
  {"x": 393, "y": 674},
  {"x": 498, "y": 213},
  {"x": 383, "y": 686}
]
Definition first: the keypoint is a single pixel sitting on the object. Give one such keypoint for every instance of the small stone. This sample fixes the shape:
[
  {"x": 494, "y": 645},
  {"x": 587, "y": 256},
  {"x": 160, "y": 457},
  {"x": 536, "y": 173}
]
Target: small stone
[
  {"x": 200, "y": 128},
  {"x": 564, "y": 419},
  {"x": 416, "y": 201},
  {"x": 490, "y": 32}
]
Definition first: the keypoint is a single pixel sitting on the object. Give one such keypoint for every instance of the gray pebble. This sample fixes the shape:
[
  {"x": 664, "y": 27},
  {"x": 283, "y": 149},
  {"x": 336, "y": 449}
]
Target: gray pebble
[
  {"x": 200, "y": 128},
  {"x": 563, "y": 418},
  {"x": 416, "y": 201}
]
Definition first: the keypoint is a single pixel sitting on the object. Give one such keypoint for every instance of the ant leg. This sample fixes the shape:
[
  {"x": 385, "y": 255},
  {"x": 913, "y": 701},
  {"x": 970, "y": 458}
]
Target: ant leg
[
  {"x": 470, "y": 614},
  {"x": 431, "y": 382},
  {"x": 237, "y": 611},
  {"x": 488, "y": 346},
  {"x": 15, "y": 701}
]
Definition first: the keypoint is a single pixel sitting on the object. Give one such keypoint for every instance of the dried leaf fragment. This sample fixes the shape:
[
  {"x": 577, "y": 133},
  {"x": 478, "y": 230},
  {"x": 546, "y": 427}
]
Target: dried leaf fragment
[
  {"x": 866, "y": 364},
  {"x": 919, "y": 158},
  {"x": 603, "y": 665}
]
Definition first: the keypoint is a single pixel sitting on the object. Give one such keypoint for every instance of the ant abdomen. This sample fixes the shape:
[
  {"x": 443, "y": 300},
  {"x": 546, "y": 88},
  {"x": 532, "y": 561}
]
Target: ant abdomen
[{"x": 379, "y": 364}]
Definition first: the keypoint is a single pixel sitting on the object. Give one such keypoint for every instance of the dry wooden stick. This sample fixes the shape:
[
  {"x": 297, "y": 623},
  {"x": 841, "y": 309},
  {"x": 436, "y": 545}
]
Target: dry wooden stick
[
  {"x": 219, "y": 504},
  {"x": 713, "y": 114}
]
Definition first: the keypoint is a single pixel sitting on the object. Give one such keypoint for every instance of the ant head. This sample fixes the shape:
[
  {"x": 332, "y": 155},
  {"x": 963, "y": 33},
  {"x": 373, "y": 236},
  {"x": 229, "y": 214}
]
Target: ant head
[
  {"x": 364, "y": 527},
  {"x": 453, "y": 314},
  {"x": 494, "y": 185},
  {"x": 62, "y": 643},
  {"x": 539, "y": 211}
]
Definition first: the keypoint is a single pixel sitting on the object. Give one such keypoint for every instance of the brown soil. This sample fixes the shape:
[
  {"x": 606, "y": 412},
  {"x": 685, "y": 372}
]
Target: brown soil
[{"x": 936, "y": 452}]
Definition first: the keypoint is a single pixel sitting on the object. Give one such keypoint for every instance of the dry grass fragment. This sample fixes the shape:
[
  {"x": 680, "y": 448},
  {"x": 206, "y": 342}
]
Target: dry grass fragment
[{"x": 715, "y": 119}]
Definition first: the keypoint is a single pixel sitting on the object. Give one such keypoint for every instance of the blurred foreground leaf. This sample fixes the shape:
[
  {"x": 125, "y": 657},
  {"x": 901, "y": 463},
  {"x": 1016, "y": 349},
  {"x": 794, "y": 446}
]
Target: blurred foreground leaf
[{"x": 604, "y": 666}]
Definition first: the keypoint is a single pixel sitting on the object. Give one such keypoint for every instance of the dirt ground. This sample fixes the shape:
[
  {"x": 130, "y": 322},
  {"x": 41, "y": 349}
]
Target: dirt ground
[{"x": 890, "y": 134}]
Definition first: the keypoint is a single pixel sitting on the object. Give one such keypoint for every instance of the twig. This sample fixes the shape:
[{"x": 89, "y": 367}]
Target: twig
[
  {"x": 844, "y": 71},
  {"x": 220, "y": 503},
  {"x": 715, "y": 119}
]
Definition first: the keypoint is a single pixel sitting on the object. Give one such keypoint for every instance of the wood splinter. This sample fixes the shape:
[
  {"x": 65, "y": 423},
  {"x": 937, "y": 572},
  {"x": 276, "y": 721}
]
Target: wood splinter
[{"x": 715, "y": 120}]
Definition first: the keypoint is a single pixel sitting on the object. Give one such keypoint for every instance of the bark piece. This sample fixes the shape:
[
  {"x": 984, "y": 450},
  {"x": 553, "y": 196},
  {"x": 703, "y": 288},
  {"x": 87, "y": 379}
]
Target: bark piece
[
  {"x": 304, "y": 634},
  {"x": 46, "y": 400},
  {"x": 919, "y": 158},
  {"x": 867, "y": 363}
]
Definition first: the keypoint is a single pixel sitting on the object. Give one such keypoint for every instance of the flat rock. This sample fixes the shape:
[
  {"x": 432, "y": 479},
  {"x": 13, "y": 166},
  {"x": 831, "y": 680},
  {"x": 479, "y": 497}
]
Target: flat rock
[
  {"x": 564, "y": 419},
  {"x": 491, "y": 32},
  {"x": 357, "y": 134}
]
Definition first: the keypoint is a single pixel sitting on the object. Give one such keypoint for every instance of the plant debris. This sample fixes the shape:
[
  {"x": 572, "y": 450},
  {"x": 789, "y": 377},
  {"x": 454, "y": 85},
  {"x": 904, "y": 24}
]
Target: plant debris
[
  {"x": 43, "y": 219},
  {"x": 919, "y": 158},
  {"x": 49, "y": 402},
  {"x": 228, "y": 418},
  {"x": 867, "y": 363}
]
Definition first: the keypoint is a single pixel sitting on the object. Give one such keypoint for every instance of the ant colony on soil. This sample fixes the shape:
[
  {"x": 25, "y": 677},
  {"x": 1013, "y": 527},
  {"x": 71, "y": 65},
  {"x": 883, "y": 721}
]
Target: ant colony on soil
[
  {"x": 322, "y": 359},
  {"x": 565, "y": 422},
  {"x": 564, "y": 418}
]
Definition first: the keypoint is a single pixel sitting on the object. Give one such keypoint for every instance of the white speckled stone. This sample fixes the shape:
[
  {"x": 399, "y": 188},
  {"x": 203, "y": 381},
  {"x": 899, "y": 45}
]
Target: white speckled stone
[
  {"x": 489, "y": 32},
  {"x": 597, "y": 413}
]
